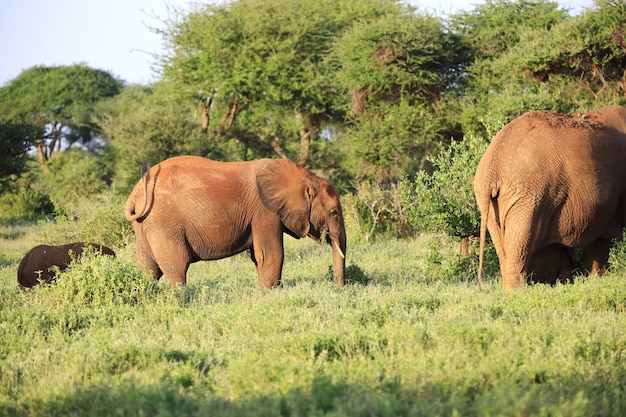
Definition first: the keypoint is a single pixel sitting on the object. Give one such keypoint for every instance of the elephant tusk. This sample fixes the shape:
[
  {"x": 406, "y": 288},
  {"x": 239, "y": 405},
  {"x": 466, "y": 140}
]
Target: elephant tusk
[{"x": 338, "y": 249}]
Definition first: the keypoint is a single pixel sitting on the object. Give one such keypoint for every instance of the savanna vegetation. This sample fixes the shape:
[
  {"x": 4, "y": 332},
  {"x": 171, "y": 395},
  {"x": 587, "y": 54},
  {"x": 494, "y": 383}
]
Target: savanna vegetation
[
  {"x": 410, "y": 335},
  {"x": 395, "y": 105}
]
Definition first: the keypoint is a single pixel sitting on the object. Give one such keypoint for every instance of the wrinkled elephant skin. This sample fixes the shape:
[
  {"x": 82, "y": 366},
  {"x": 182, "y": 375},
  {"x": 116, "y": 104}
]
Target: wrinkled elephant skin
[
  {"x": 548, "y": 178},
  {"x": 188, "y": 208}
]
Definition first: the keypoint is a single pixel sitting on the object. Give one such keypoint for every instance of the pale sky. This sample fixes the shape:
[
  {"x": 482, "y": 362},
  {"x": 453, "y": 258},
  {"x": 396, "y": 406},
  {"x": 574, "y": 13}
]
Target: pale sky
[{"x": 114, "y": 35}]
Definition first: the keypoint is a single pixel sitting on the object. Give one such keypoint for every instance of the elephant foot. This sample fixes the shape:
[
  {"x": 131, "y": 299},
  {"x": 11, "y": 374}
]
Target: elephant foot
[{"x": 513, "y": 281}]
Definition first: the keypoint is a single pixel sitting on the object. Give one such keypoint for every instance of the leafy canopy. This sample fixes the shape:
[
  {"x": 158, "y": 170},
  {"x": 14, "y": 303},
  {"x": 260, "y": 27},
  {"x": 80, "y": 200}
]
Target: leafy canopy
[
  {"x": 59, "y": 99},
  {"x": 15, "y": 140},
  {"x": 259, "y": 70},
  {"x": 399, "y": 73}
]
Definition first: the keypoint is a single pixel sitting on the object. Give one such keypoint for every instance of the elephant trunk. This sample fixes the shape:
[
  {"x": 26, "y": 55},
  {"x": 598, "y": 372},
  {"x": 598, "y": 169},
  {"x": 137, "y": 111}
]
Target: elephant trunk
[{"x": 339, "y": 258}]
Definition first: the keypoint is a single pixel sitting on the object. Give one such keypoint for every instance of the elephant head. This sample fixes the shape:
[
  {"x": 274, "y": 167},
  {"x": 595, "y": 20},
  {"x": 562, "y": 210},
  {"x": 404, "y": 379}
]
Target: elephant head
[{"x": 307, "y": 206}]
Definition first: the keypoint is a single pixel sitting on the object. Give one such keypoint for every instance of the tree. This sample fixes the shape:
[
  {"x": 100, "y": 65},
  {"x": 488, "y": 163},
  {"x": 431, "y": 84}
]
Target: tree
[
  {"x": 531, "y": 55},
  {"x": 584, "y": 58},
  {"x": 15, "y": 140},
  {"x": 148, "y": 124},
  {"x": 400, "y": 72},
  {"x": 258, "y": 69},
  {"x": 60, "y": 100}
]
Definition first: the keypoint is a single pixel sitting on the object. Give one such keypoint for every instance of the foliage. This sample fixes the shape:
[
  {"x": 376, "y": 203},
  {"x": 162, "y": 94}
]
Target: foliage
[
  {"x": 27, "y": 198},
  {"x": 401, "y": 341},
  {"x": 58, "y": 99},
  {"x": 376, "y": 209},
  {"x": 444, "y": 200},
  {"x": 74, "y": 175},
  {"x": 95, "y": 281},
  {"x": 15, "y": 140},
  {"x": 617, "y": 256},
  {"x": 24, "y": 202},
  {"x": 99, "y": 218},
  {"x": 148, "y": 124},
  {"x": 259, "y": 71},
  {"x": 530, "y": 56},
  {"x": 585, "y": 57},
  {"x": 398, "y": 70}
]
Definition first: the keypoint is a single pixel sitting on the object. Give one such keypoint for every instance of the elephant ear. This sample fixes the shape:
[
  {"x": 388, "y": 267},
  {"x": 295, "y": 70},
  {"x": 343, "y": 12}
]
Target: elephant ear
[{"x": 285, "y": 189}]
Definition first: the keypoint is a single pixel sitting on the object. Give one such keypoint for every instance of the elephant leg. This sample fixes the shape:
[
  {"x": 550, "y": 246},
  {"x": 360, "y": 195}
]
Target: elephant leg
[
  {"x": 267, "y": 253},
  {"x": 518, "y": 247},
  {"x": 513, "y": 264},
  {"x": 513, "y": 276},
  {"x": 174, "y": 261},
  {"x": 508, "y": 250},
  {"x": 567, "y": 264},
  {"x": 596, "y": 256},
  {"x": 169, "y": 255},
  {"x": 146, "y": 262}
]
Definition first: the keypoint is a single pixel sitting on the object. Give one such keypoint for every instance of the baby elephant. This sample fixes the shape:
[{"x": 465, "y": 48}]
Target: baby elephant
[
  {"x": 37, "y": 265},
  {"x": 551, "y": 264}
]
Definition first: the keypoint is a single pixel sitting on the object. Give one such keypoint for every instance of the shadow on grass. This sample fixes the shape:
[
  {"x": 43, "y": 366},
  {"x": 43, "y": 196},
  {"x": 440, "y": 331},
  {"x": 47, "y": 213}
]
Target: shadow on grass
[{"x": 327, "y": 396}]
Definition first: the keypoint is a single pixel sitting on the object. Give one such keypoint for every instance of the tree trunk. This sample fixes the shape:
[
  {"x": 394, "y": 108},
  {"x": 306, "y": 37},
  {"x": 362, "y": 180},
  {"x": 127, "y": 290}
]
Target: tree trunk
[
  {"x": 310, "y": 128},
  {"x": 464, "y": 247},
  {"x": 206, "y": 107}
]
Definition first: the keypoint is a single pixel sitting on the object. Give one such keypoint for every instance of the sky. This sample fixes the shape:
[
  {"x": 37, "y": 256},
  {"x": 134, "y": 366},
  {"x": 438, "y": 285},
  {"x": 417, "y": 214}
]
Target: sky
[{"x": 115, "y": 35}]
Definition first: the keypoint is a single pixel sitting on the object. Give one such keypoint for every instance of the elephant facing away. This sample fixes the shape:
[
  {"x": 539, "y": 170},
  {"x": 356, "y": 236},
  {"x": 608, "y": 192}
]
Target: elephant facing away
[
  {"x": 188, "y": 208},
  {"x": 38, "y": 264},
  {"x": 549, "y": 178}
]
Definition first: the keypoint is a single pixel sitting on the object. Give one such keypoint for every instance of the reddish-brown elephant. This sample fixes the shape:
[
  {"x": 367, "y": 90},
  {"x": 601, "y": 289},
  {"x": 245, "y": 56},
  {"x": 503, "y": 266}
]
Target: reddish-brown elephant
[
  {"x": 188, "y": 208},
  {"x": 549, "y": 178},
  {"x": 38, "y": 265}
]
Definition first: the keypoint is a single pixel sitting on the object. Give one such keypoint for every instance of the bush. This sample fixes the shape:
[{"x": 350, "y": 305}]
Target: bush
[
  {"x": 377, "y": 209},
  {"x": 444, "y": 200},
  {"x": 24, "y": 202},
  {"x": 98, "y": 281},
  {"x": 99, "y": 218},
  {"x": 74, "y": 175},
  {"x": 617, "y": 256}
]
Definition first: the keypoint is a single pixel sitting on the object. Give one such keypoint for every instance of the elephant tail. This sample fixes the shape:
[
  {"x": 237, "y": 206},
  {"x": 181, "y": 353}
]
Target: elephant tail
[
  {"x": 131, "y": 211},
  {"x": 481, "y": 248},
  {"x": 484, "y": 200}
]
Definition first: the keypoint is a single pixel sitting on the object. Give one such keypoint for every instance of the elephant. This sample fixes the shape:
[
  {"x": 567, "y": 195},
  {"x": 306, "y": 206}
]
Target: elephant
[
  {"x": 38, "y": 264},
  {"x": 551, "y": 264},
  {"x": 548, "y": 178},
  {"x": 189, "y": 208}
]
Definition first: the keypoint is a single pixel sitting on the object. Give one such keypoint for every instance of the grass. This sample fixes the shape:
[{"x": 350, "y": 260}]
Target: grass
[{"x": 411, "y": 335}]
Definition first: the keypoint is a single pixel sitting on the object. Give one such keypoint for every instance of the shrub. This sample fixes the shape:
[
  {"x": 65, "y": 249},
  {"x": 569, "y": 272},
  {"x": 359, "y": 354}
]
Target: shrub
[
  {"x": 99, "y": 218},
  {"x": 97, "y": 281},
  {"x": 617, "y": 256},
  {"x": 24, "y": 202},
  {"x": 444, "y": 200},
  {"x": 74, "y": 175},
  {"x": 377, "y": 209}
]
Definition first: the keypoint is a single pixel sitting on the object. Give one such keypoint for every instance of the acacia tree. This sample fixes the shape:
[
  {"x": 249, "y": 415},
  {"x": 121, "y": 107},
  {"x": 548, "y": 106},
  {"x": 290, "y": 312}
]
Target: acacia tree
[
  {"x": 148, "y": 123},
  {"x": 532, "y": 55},
  {"x": 399, "y": 72},
  {"x": 258, "y": 68},
  {"x": 584, "y": 59},
  {"x": 60, "y": 101}
]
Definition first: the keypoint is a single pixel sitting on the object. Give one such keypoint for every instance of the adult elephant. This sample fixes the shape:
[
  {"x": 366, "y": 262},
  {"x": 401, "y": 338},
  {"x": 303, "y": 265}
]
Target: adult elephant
[
  {"x": 189, "y": 208},
  {"x": 549, "y": 178},
  {"x": 38, "y": 265}
]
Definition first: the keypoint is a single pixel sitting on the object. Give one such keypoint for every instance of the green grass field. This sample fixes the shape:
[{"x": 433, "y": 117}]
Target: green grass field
[{"x": 411, "y": 335}]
